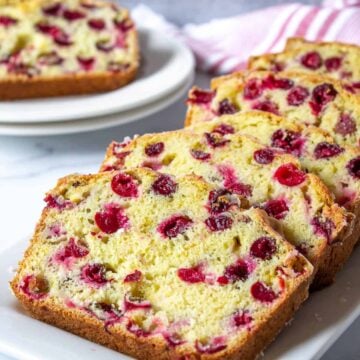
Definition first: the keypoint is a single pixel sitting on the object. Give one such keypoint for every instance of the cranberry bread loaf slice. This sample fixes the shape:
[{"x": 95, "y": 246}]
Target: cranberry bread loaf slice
[
  {"x": 337, "y": 60},
  {"x": 309, "y": 218},
  {"x": 51, "y": 48},
  {"x": 299, "y": 97},
  {"x": 124, "y": 261}
]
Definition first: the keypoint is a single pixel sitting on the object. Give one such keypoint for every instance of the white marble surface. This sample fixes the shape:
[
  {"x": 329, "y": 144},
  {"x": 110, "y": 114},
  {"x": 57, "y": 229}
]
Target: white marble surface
[{"x": 30, "y": 166}]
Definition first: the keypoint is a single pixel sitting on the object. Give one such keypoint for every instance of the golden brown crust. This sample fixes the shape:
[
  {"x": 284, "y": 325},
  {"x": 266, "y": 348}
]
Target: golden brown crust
[
  {"x": 92, "y": 329},
  {"x": 83, "y": 83},
  {"x": 296, "y": 42}
]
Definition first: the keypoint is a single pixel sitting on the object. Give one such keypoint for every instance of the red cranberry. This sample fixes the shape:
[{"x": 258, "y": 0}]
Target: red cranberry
[
  {"x": 288, "y": 141},
  {"x": 53, "y": 9},
  {"x": 220, "y": 201},
  {"x": 266, "y": 105},
  {"x": 154, "y": 149},
  {"x": 297, "y": 96},
  {"x": 62, "y": 39},
  {"x": 105, "y": 45},
  {"x": 111, "y": 219},
  {"x": 133, "y": 277},
  {"x": 164, "y": 185},
  {"x": 174, "y": 225},
  {"x": 239, "y": 271},
  {"x": 232, "y": 183},
  {"x": 224, "y": 129},
  {"x": 134, "y": 303},
  {"x": 225, "y": 107},
  {"x": 50, "y": 59},
  {"x": 191, "y": 275},
  {"x": 289, "y": 175},
  {"x": 70, "y": 252},
  {"x": 271, "y": 82},
  {"x": 262, "y": 293},
  {"x": 346, "y": 125},
  {"x": 124, "y": 25},
  {"x": 46, "y": 28},
  {"x": 35, "y": 287},
  {"x": 276, "y": 208},
  {"x": 326, "y": 150},
  {"x": 253, "y": 89},
  {"x": 7, "y": 21},
  {"x": 201, "y": 97},
  {"x": 23, "y": 69},
  {"x": 241, "y": 318},
  {"x": 72, "y": 15},
  {"x": 322, "y": 95},
  {"x": 353, "y": 167},
  {"x": 333, "y": 63},
  {"x": 173, "y": 340},
  {"x": 86, "y": 63},
  {"x": 57, "y": 202},
  {"x": 263, "y": 248},
  {"x": 55, "y": 32},
  {"x": 200, "y": 155},
  {"x": 219, "y": 222},
  {"x": 264, "y": 156},
  {"x": 94, "y": 274},
  {"x": 136, "y": 329},
  {"x": 214, "y": 139},
  {"x": 241, "y": 189},
  {"x": 311, "y": 60},
  {"x": 216, "y": 345},
  {"x": 277, "y": 66},
  {"x": 323, "y": 227},
  {"x": 124, "y": 185},
  {"x": 97, "y": 24}
]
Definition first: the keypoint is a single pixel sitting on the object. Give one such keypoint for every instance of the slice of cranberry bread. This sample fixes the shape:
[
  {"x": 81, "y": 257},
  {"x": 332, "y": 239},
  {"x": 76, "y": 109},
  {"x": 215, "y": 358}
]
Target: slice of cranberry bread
[
  {"x": 51, "y": 48},
  {"x": 266, "y": 178},
  {"x": 135, "y": 264},
  {"x": 299, "y": 97},
  {"x": 338, "y": 60}
]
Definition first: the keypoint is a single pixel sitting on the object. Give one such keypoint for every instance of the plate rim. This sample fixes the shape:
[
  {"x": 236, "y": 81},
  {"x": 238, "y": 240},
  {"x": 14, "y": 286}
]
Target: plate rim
[{"x": 98, "y": 123}]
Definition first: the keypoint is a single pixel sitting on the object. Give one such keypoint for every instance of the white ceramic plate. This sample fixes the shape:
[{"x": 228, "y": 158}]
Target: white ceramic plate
[
  {"x": 322, "y": 319},
  {"x": 69, "y": 127},
  {"x": 166, "y": 64}
]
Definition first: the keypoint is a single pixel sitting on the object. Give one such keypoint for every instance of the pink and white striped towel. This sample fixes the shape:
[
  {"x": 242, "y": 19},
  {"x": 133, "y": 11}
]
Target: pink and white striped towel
[{"x": 224, "y": 45}]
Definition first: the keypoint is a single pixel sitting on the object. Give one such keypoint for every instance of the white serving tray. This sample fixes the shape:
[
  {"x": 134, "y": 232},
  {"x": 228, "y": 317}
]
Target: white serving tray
[{"x": 320, "y": 322}]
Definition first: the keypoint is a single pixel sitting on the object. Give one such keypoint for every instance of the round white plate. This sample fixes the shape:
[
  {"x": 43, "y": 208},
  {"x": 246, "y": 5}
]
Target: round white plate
[
  {"x": 69, "y": 127},
  {"x": 166, "y": 64}
]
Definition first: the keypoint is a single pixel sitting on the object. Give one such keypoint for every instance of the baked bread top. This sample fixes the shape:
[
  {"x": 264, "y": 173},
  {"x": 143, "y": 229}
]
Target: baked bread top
[
  {"x": 130, "y": 249},
  {"x": 299, "y": 97},
  {"x": 47, "y": 38},
  {"x": 337, "y": 60}
]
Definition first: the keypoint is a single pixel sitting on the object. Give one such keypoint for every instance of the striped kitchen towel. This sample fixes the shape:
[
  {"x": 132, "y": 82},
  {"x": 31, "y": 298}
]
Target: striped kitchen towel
[{"x": 224, "y": 45}]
